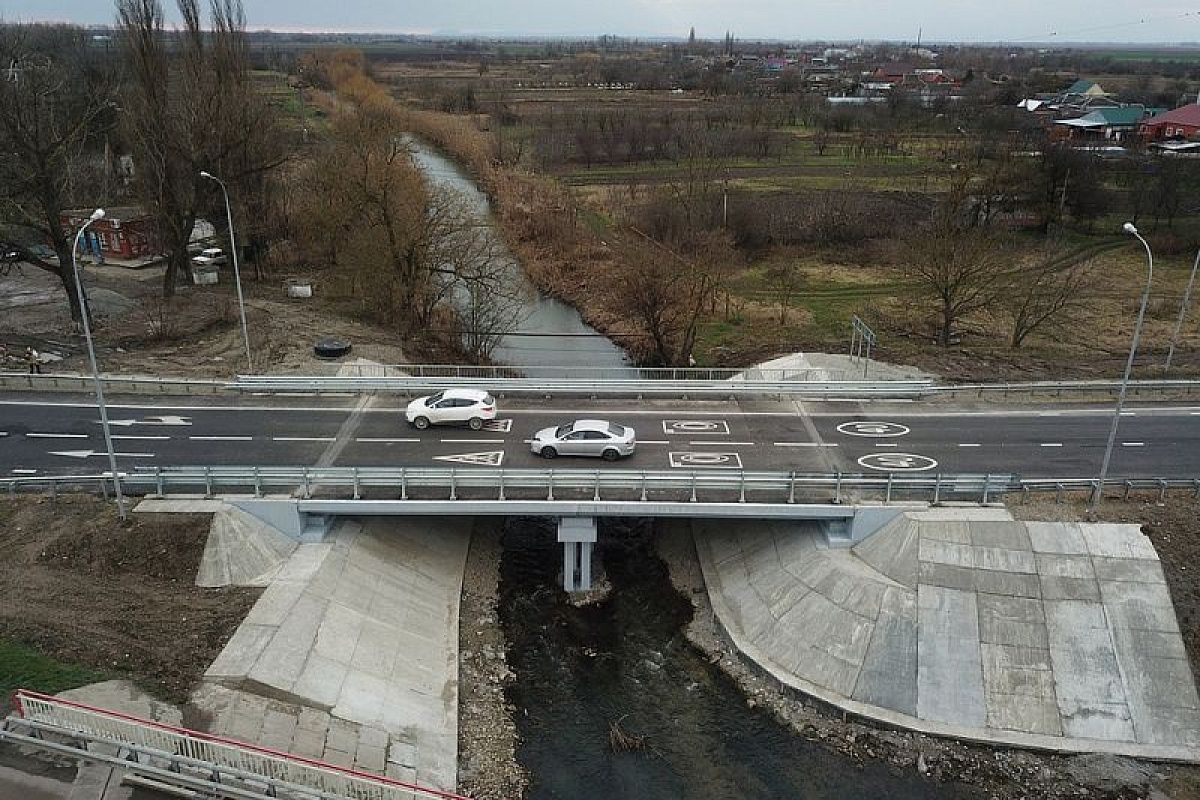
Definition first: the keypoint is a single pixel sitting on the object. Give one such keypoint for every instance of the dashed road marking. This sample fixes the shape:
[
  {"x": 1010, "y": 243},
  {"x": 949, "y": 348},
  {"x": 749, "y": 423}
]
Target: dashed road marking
[
  {"x": 57, "y": 435},
  {"x": 1050, "y": 444},
  {"x": 805, "y": 444},
  {"x": 372, "y": 440},
  {"x": 1133, "y": 444},
  {"x": 221, "y": 438},
  {"x": 24, "y": 471},
  {"x": 971, "y": 444},
  {"x": 149, "y": 438},
  {"x": 302, "y": 438}
]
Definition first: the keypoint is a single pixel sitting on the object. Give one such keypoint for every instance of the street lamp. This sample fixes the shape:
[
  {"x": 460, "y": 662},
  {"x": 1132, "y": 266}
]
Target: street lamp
[
  {"x": 1132, "y": 230},
  {"x": 87, "y": 334},
  {"x": 1183, "y": 307},
  {"x": 237, "y": 276}
]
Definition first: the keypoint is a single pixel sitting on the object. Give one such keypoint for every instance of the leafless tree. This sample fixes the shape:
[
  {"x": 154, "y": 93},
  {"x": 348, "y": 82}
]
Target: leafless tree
[
  {"x": 1047, "y": 293},
  {"x": 784, "y": 281},
  {"x": 50, "y": 104}
]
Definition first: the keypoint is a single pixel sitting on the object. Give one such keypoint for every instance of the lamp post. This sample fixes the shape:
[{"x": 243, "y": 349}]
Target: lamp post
[
  {"x": 1183, "y": 307},
  {"x": 237, "y": 275},
  {"x": 1137, "y": 334},
  {"x": 87, "y": 334}
]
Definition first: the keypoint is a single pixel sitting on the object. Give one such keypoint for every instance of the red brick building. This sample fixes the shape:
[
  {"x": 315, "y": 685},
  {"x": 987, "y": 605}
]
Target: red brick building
[
  {"x": 1181, "y": 123},
  {"x": 125, "y": 232}
]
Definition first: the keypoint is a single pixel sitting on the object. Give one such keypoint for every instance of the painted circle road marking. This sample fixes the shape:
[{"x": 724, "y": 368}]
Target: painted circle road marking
[
  {"x": 693, "y": 459},
  {"x": 693, "y": 426},
  {"x": 873, "y": 429},
  {"x": 897, "y": 462}
]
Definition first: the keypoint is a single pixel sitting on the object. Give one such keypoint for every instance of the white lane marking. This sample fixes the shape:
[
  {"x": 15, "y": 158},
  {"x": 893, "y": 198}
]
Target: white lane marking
[
  {"x": 1050, "y": 444},
  {"x": 722, "y": 443},
  {"x": 376, "y": 440},
  {"x": 221, "y": 438},
  {"x": 648, "y": 441},
  {"x": 3, "y": 433},
  {"x": 969, "y": 445},
  {"x": 1133, "y": 444},
  {"x": 805, "y": 444},
  {"x": 150, "y": 438},
  {"x": 57, "y": 435},
  {"x": 490, "y": 458},
  {"x": 24, "y": 472},
  {"x": 87, "y": 453},
  {"x": 471, "y": 441},
  {"x": 302, "y": 438},
  {"x": 886, "y": 444}
]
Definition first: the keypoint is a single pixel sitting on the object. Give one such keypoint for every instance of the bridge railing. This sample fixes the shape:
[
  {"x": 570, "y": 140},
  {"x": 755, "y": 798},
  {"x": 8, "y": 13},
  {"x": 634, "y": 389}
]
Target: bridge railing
[{"x": 195, "y": 758}]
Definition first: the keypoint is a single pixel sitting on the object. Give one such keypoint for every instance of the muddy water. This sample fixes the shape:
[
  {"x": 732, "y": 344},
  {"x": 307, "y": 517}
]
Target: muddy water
[
  {"x": 552, "y": 332},
  {"x": 626, "y": 661}
]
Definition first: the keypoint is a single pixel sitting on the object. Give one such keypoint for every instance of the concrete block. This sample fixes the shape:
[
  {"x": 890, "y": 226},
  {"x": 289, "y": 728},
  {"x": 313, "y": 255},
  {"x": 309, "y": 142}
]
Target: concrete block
[
  {"x": 401, "y": 753},
  {"x": 313, "y": 719},
  {"x": 1128, "y": 569},
  {"x": 1117, "y": 541},
  {"x": 1065, "y": 566},
  {"x": 371, "y": 759},
  {"x": 1023, "y": 713},
  {"x": 947, "y": 576},
  {"x": 1013, "y": 584},
  {"x": 278, "y": 729},
  {"x": 892, "y": 551},
  {"x": 994, "y": 558},
  {"x": 934, "y": 551},
  {"x": 949, "y": 671},
  {"x": 1002, "y": 535},
  {"x": 342, "y": 735},
  {"x": 1056, "y": 537},
  {"x": 888, "y": 677},
  {"x": 1059, "y": 588},
  {"x": 275, "y": 603},
  {"x": 1096, "y": 720},
  {"x": 320, "y": 681},
  {"x": 241, "y": 652},
  {"x": 944, "y": 530},
  {"x": 310, "y": 744}
]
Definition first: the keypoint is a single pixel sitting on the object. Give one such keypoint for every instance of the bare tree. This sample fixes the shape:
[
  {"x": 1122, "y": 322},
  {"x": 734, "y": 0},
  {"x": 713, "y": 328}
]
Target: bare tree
[
  {"x": 962, "y": 269},
  {"x": 784, "y": 281},
  {"x": 50, "y": 104},
  {"x": 1046, "y": 294}
]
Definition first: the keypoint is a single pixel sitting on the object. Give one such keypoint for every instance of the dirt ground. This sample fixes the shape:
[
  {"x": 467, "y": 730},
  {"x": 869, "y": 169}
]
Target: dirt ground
[
  {"x": 82, "y": 588},
  {"x": 196, "y": 334}
]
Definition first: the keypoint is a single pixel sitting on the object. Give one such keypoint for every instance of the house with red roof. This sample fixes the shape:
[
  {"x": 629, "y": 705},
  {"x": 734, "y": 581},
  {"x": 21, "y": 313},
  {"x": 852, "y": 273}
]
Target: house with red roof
[{"x": 1180, "y": 123}]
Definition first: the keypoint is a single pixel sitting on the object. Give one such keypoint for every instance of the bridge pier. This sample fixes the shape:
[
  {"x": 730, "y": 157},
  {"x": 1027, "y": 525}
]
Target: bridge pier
[{"x": 577, "y": 535}]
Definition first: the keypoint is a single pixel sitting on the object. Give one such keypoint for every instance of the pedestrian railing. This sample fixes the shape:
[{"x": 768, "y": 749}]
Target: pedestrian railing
[{"x": 213, "y": 765}]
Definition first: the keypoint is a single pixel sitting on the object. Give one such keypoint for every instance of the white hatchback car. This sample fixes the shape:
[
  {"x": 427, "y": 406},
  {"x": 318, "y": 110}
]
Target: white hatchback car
[{"x": 453, "y": 406}]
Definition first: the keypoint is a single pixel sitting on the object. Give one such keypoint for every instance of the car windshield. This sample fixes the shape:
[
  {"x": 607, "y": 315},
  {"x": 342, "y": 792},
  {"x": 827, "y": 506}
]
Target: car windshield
[
  {"x": 563, "y": 430},
  {"x": 433, "y": 398},
  {"x": 615, "y": 429}
]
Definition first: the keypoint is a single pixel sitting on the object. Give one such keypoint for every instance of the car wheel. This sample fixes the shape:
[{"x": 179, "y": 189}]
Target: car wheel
[
  {"x": 549, "y": 452},
  {"x": 610, "y": 455},
  {"x": 420, "y": 423},
  {"x": 475, "y": 423}
]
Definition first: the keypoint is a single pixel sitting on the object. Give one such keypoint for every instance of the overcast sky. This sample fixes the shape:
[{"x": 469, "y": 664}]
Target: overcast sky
[{"x": 940, "y": 20}]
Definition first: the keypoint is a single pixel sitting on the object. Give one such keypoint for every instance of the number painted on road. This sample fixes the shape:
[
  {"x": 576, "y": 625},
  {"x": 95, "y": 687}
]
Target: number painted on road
[
  {"x": 686, "y": 460},
  {"x": 694, "y": 426},
  {"x": 897, "y": 462},
  {"x": 873, "y": 429}
]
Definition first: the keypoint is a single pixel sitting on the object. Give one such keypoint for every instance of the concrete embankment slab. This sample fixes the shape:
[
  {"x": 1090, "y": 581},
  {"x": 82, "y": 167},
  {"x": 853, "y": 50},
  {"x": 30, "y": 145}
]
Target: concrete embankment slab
[
  {"x": 966, "y": 623},
  {"x": 352, "y": 650}
]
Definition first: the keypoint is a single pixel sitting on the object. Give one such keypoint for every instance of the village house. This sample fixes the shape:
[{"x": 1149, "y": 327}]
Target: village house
[
  {"x": 1180, "y": 123},
  {"x": 1107, "y": 124},
  {"x": 125, "y": 232}
]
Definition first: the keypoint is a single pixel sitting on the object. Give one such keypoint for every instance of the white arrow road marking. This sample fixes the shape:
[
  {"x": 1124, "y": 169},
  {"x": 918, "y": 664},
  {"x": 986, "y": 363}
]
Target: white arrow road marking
[
  {"x": 87, "y": 453},
  {"x": 168, "y": 419},
  {"x": 897, "y": 462},
  {"x": 120, "y": 423},
  {"x": 490, "y": 458},
  {"x": 805, "y": 444},
  {"x": 57, "y": 435}
]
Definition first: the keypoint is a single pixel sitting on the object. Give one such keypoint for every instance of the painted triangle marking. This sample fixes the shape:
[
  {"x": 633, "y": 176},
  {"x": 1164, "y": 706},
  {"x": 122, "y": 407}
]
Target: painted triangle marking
[
  {"x": 498, "y": 425},
  {"x": 489, "y": 458}
]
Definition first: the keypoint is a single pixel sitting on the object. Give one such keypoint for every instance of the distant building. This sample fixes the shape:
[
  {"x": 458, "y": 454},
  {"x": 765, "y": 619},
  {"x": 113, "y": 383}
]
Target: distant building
[
  {"x": 1181, "y": 123},
  {"x": 124, "y": 232},
  {"x": 1113, "y": 124},
  {"x": 1086, "y": 88}
]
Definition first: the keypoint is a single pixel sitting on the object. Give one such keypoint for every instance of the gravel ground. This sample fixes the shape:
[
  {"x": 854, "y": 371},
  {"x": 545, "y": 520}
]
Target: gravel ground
[
  {"x": 999, "y": 774},
  {"x": 487, "y": 737}
]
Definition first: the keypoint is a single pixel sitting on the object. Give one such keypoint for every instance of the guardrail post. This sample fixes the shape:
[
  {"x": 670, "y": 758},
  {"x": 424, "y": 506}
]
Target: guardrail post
[
  {"x": 257, "y": 483},
  {"x": 837, "y": 489},
  {"x": 887, "y": 495},
  {"x": 693, "y": 486},
  {"x": 354, "y": 472},
  {"x": 742, "y": 490},
  {"x": 501, "y": 495},
  {"x": 158, "y": 481},
  {"x": 403, "y": 483},
  {"x": 937, "y": 488},
  {"x": 550, "y": 486},
  {"x": 644, "y": 486},
  {"x": 307, "y": 488},
  {"x": 54, "y": 489},
  {"x": 987, "y": 480},
  {"x": 792, "y": 487},
  {"x": 1196, "y": 488},
  {"x": 1058, "y": 490},
  {"x": 1097, "y": 491},
  {"x": 596, "y": 493},
  {"x": 1162, "y": 491},
  {"x": 208, "y": 492},
  {"x": 1128, "y": 489},
  {"x": 453, "y": 488}
]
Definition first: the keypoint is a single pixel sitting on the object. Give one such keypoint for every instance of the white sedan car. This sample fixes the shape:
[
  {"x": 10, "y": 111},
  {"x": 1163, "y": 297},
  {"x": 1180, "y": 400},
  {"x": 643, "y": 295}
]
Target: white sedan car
[
  {"x": 453, "y": 406},
  {"x": 213, "y": 256},
  {"x": 585, "y": 437}
]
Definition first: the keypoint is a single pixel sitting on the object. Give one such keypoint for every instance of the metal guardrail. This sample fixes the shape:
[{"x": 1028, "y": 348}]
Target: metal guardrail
[
  {"x": 193, "y": 759},
  {"x": 1185, "y": 386},
  {"x": 131, "y": 384},
  {"x": 586, "y": 373},
  {"x": 543, "y": 386},
  {"x": 695, "y": 486}
]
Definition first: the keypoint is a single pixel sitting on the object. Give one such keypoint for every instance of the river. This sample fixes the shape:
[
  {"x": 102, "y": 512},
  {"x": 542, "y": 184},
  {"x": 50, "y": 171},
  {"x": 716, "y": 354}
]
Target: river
[{"x": 552, "y": 333}]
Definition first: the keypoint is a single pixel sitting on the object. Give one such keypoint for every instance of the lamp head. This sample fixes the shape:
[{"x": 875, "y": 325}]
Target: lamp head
[
  {"x": 97, "y": 214},
  {"x": 204, "y": 174},
  {"x": 1130, "y": 228}
]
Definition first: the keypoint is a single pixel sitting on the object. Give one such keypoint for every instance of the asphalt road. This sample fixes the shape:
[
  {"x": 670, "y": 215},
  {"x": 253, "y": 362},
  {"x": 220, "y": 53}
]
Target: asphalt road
[{"x": 61, "y": 434}]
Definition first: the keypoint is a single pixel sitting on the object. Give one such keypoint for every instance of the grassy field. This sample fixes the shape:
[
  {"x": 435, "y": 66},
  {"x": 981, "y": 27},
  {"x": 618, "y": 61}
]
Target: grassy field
[{"x": 23, "y": 668}]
